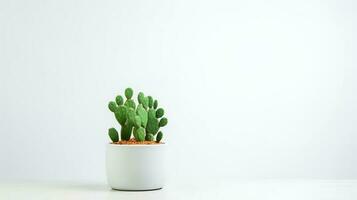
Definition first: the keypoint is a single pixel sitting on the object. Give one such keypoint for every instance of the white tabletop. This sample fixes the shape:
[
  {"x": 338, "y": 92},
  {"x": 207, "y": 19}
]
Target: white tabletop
[{"x": 240, "y": 189}]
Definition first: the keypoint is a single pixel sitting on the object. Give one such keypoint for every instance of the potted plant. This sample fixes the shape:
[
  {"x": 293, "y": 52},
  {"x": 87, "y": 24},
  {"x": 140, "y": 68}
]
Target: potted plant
[{"x": 135, "y": 160}]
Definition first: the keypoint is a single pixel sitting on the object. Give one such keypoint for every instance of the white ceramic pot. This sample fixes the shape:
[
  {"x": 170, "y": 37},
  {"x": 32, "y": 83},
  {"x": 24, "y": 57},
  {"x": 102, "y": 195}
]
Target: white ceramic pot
[{"x": 135, "y": 167}]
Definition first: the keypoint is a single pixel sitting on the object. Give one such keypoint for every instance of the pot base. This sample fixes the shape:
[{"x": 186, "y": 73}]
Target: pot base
[{"x": 124, "y": 190}]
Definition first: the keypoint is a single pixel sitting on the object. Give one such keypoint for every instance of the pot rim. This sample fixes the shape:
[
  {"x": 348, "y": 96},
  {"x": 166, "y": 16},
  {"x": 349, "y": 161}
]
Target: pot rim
[{"x": 137, "y": 145}]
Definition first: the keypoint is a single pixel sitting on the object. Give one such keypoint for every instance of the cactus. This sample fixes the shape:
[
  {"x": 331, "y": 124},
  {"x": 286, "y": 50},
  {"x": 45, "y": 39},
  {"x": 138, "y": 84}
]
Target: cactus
[
  {"x": 159, "y": 113},
  {"x": 130, "y": 103},
  {"x": 139, "y": 134},
  {"x": 145, "y": 102},
  {"x": 143, "y": 114},
  {"x": 142, "y": 121},
  {"x": 149, "y": 137},
  {"x": 113, "y": 134},
  {"x": 125, "y": 132},
  {"x": 163, "y": 122},
  {"x": 137, "y": 121},
  {"x": 129, "y": 93},
  {"x": 151, "y": 101},
  {"x": 120, "y": 115},
  {"x": 153, "y": 123},
  {"x": 130, "y": 115},
  {"x": 141, "y": 97},
  {"x": 156, "y": 104},
  {"x": 119, "y": 100},
  {"x": 159, "y": 136},
  {"x": 112, "y": 106}
]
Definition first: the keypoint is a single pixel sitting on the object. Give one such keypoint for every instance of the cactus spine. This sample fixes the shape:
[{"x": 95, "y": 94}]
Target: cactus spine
[{"x": 143, "y": 121}]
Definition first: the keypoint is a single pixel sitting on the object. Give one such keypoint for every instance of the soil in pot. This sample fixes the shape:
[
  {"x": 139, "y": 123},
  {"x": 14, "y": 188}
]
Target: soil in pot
[{"x": 133, "y": 142}]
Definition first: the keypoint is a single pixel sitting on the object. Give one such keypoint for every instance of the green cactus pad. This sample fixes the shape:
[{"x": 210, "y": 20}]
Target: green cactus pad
[
  {"x": 163, "y": 122},
  {"x": 139, "y": 134},
  {"x": 143, "y": 114},
  {"x": 149, "y": 137},
  {"x": 141, "y": 97},
  {"x": 120, "y": 115},
  {"x": 129, "y": 93},
  {"x": 159, "y": 136},
  {"x": 119, "y": 100},
  {"x": 130, "y": 115},
  {"x": 112, "y": 106},
  {"x": 151, "y": 101},
  {"x": 113, "y": 134},
  {"x": 153, "y": 123},
  {"x": 137, "y": 121},
  {"x": 130, "y": 103},
  {"x": 135, "y": 133},
  {"x": 159, "y": 113},
  {"x": 125, "y": 132},
  {"x": 156, "y": 104},
  {"x": 145, "y": 102}
]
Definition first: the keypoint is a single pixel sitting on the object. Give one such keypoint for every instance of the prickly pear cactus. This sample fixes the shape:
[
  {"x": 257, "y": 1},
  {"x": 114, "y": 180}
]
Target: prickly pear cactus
[
  {"x": 149, "y": 137},
  {"x": 137, "y": 121},
  {"x": 125, "y": 132},
  {"x": 159, "y": 136},
  {"x": 143, "y": 121},
  {"x": 163, "y": 122},
  {"x": 156, "y": 104},
  {"x": 139, "y": 134},
  {"x": 130, "y": 103},
  {"x": 151, "y": 101},
  {"x": 143, "y": 114},
  {"x": 119, "y": 100},
  {"x": 129, "y": 93},
  {"x": 130, "y": 115},
  {"x": 112, "y": 106},
  {"x": 113, "y": 134},
  {"x": 153, "y": 123},
  {"x": 146, "y": 102},
  {"x": 141, "y": 97},
  {"x": 120, "y": 115},
  {"x": 159, "y": 112}
]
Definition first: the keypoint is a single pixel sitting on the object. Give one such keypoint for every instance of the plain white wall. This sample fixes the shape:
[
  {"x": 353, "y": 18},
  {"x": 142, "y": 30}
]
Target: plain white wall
[{"x": 252, "y": 89}]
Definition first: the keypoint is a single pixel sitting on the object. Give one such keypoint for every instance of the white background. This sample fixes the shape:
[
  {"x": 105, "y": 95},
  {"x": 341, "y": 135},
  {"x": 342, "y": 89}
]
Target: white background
[{"x": 252, "y": 89}]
